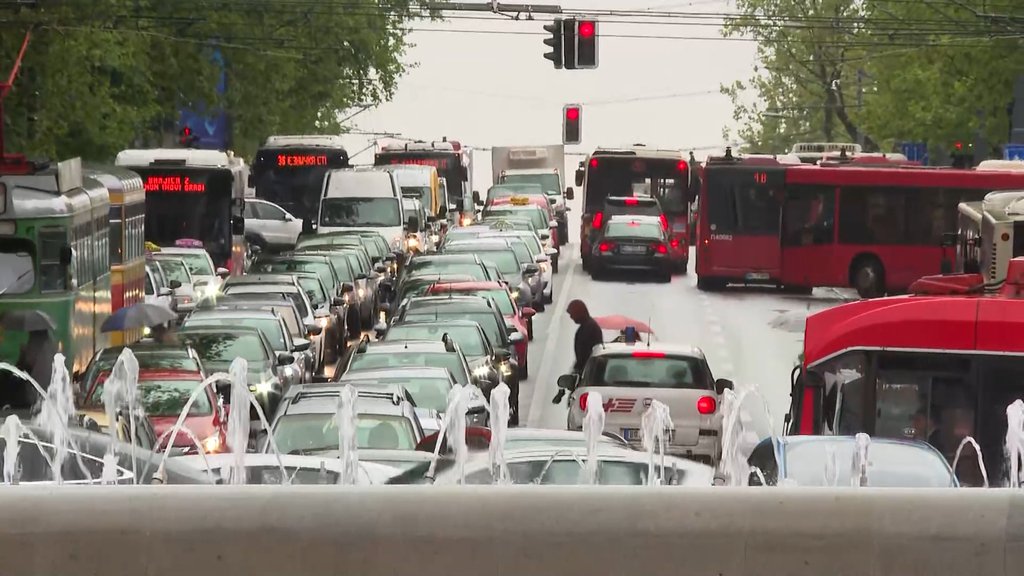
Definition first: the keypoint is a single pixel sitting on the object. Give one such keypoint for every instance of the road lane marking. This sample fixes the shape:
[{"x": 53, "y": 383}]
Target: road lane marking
[{"x": 540, "y": 390}]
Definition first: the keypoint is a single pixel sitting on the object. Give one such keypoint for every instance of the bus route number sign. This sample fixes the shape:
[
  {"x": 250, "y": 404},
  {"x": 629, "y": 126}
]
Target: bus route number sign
[
  {"x": 760, "y": 177},
  {"x": 175, "y": 183},
  {"x": 301, "y": 160}
]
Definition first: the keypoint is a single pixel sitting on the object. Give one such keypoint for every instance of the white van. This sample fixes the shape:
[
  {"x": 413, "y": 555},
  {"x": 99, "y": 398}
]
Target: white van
[{"x": 364, "y": 199}]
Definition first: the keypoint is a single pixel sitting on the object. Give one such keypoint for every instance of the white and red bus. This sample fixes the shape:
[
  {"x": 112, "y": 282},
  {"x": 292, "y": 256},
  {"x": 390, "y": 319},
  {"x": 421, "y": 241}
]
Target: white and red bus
[
  {"x": 875, "y": 224},
  {"x": 637, "y": 171},
  {"x": 454, "y": 164}
]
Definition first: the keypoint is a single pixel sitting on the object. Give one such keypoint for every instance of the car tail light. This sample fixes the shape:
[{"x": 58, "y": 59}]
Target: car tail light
[
  {"x": 664, "y": 221},
  {"x": 647, "y": 354},
  {"x": 674, "y": 242},
  {"x": 605, "y": 246},
  {"x": 593, "y": 162},
  {"x": 583, "y": 401},
  {"x": 706, "y": 405},
  {"x": 631, "y": 201},
  {"x": 660, "y": 248},
  {"x": 598, "y": 218}
]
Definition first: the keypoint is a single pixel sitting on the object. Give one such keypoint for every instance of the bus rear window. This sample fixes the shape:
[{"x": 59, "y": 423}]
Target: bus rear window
[{"x": 662, "y": 178}]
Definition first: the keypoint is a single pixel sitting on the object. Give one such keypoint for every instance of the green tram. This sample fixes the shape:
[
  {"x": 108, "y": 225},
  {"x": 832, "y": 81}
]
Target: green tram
[{"x": 55, "y": 258}]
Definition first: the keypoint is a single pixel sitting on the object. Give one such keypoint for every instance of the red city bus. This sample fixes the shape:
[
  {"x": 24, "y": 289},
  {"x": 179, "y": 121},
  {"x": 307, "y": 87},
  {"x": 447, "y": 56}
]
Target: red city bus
[
  {"x": 871, "y": 223},
  {"x": 938, "y": 365},
  {"x": 637, "y": 171}
]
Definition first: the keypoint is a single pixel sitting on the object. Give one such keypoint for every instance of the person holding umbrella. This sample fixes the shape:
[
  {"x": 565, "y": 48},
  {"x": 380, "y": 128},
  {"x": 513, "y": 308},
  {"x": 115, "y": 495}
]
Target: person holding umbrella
[{"x": 141, "y": 315}]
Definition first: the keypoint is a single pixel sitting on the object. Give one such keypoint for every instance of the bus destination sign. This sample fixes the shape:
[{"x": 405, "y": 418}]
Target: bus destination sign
[
  {"x": 175, "y": 183},
  {"x": 440, "y": 163},
  {"x": 301, "y": 160}
]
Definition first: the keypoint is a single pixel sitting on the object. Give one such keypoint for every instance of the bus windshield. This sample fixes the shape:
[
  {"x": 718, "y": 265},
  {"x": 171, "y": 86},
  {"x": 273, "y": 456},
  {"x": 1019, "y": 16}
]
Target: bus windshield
[
  {"x": 664, "y": 178},
  {"x": 548, "y": 182},
  {"x": 188, "y": 202},
  {"x": 293, "y": 177},
  {"x": 17, "y": 271}
]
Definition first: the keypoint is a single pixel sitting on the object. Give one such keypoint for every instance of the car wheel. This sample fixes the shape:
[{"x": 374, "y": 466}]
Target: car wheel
[
  {"x": 554, "y": 264},
  {"x": 355, "y": 328},
  {"x": 665, "y": 276},
  {"x": 550, "y": 298},
  {"x": 539, "y": 304},
  {"x": 524, "y": 370},
  {"x": 529, "y": 329}
]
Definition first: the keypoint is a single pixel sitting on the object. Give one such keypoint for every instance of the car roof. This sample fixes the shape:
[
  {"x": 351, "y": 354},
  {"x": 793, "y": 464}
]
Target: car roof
[
  {"x": 467, "y": 286},
  {"x": 269, "y": 278},
  {"x": 622, "y": 349},
  {"x": 448, "y": 300},
  {"x": 269, "y": 287},
  {"x": 461, "y": 323},
  {"x": 221, "y": 330},
  {"x": 234, "y": 313},
  {"x": 315, "y": 401},
  {"x": 182, "y": 250},
  {"x": 404, "y": 372},
  {"x": 406, "y": 345},
  {"x": 644, "y": 218},
  {"x": 481, "y": 244},
  {"x": 443, "y": 257}
]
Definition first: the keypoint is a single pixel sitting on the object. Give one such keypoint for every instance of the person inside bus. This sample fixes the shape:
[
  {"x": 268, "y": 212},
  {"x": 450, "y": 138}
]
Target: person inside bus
[{"x": 927, "y": 427}]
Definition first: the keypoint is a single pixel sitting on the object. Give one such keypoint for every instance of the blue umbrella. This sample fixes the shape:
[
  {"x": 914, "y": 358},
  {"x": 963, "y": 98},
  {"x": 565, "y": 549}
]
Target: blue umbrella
[{"x": 141, "y": 315}]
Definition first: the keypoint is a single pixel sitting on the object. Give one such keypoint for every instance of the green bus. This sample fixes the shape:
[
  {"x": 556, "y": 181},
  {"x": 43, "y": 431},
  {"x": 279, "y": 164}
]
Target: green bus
[{"x": 55, "y": 258}]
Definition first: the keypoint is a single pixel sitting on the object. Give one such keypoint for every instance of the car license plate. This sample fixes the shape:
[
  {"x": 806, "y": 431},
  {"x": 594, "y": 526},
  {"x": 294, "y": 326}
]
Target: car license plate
[
  {"x": 634, "y": 249},
  {"x": 631, "y": 434},
  {"x": 757, "y": 276}
]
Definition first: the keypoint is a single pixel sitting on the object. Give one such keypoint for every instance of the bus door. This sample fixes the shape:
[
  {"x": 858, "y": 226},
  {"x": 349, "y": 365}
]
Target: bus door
[
  {"x": 743, "y": 206},
  {"x": 808, "y": 234}
]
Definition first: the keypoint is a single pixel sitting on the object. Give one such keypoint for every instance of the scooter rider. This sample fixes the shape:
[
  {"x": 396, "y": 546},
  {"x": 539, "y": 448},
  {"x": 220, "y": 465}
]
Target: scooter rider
[{"x": 588, "y": 335}]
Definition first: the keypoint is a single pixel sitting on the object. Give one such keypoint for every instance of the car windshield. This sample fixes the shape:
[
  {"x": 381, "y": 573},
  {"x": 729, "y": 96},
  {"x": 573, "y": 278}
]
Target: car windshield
[
  {"x": 571, "y": 473},
  {"x": 285, "y": 310},
  {"x": 314, "y": 290},
  {"x": 198, "y": 262},
  {"x": 531, "y": 242},
  {"x": 649, "y": 230},
  {"x": 504, "y": 260},
  {"x": 648, "y": 370},
  {"x": 258, "y": 292},
  {"x": 168, "y": 398},
  {"x": 449, "y": 360},
  {"x": 271, "y": 327},
  {"x": 536, "y": 216},
  {"x": 468, "y": 338},
  {"x": 168, "y": 359},
  {"x": 297, "y": 433},
  {"x": 222, "y": 349},
  {"x": 320, "y": 268},
  {"x": 369, "y": 212},
  {"x": 486, "y": 320},
  {"x": 176, "y": 269},
  {"x": 890, "y": 465},
  {"x": 429, "y": 393},
  {"x": 470, "y": 269}
]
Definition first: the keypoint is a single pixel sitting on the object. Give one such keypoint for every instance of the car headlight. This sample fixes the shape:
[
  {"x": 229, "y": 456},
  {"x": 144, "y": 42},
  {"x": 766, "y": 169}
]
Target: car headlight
[
  {"x": 515, "y": 295},
  {"x": 506, "y": 369},
  {"x": 361, "y": 292},
  {"x": 146, "y": 331},
  {"x": 322, "y": 322},
  {"x": 212, "y": 445},
  {"x": 481, "y": 371},
  {"x": 435, "y": 238},
  {"x": 466, "y": 220},
  {"x": 412, "y": 243},
  {"x": 262, "y": 388},
  {"x": 347, "y": 297}
]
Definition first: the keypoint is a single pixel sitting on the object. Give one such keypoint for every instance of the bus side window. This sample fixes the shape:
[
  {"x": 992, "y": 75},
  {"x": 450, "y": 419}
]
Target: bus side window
[{"x": 53, "y": 275}]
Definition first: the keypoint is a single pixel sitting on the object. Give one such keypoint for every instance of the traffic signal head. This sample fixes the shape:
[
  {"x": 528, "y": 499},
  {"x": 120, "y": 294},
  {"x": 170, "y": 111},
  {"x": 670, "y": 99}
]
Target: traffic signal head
[
  {"x": 188, "y": 139},
  {"x": 572, "y": 123},
  {"x": 555, "y": 42},
  {"x": 569, "y": 43},
  {"x": 586, "y": 44}
]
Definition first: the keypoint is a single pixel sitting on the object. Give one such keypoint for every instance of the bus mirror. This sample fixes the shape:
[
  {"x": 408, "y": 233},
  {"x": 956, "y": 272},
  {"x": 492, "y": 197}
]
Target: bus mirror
[
  {"x": 579, "y": 176},
  {"x": 65, "y": 256},
  {"x": 569, "y": 193},
  {"x": 238, "y": 225},
  {"x": 949, "y": 239}
]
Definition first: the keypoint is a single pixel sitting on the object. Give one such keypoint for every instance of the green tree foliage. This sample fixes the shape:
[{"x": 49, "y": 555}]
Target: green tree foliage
[
  {"x": 885, "y": 71},
  {"x": 103, "y": 75}
]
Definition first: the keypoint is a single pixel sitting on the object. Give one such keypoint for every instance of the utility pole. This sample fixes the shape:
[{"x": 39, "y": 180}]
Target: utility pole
[{"x": 860, "y": 105}]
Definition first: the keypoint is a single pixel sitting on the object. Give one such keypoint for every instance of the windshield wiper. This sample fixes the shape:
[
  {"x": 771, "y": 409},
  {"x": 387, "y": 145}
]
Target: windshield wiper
[
  {"x": 16, "y": 280},
  {"x": 308, "y": 451}
]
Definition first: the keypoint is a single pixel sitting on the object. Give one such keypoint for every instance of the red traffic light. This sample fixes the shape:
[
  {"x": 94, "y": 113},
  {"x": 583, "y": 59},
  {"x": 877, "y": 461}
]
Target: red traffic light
[
  {"x": 586, "y": 29},
  {"x": 572, "y": 113},
  {"x": 958, "y": 145},
  {"x": 186, "y": 131}
]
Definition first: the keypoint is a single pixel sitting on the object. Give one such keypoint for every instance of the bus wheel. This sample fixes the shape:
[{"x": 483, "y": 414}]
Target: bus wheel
[
  {"x": 868, "y": 277},
  {"x": 709, "y": 284}
]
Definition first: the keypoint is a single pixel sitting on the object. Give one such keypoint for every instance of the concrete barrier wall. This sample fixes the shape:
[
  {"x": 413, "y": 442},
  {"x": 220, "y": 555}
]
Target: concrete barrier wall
[{"x": 515, "y": 531}]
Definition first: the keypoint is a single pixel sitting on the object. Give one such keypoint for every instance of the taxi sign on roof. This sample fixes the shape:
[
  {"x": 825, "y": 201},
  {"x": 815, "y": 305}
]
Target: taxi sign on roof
[
  {"x": 151, "y": 247},
  {"x": 519, "y": 200},
  {"x": 188, "y": 243}
]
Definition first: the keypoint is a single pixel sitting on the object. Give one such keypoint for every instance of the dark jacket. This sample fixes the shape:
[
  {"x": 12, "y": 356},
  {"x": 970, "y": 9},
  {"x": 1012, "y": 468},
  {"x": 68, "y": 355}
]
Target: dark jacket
[{"x": 588, "y": 335}]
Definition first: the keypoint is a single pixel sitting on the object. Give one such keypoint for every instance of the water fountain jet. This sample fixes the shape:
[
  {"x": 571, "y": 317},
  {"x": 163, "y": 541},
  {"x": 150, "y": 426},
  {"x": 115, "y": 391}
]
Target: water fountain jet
[
  {"x": 593, "y": 429},
  {"x": 981, "y": 460},
  {"x": 348, "y": 446},
  {"x": 1014, "y": 445},
  {"x": 859, "y": 468},
  {"x": 11, "y": 433},
  {"x": 499, "y": 409},
  {"x": 655, "y": 429}
]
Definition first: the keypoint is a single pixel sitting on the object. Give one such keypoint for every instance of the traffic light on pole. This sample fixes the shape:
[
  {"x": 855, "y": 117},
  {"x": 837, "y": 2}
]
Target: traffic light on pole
[
  {"x": 555, "y": 42},
  {"x": 569, "y": 43},
  {"x": 962, "y": 157},
  {"x": 572, "y": 124},
  {"x": 586, "y": 44},
  {"x": 188, "y": 139}
]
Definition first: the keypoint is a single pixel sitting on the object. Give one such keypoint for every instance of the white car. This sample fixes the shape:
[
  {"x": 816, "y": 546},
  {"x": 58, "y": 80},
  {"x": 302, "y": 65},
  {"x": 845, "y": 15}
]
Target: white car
[
  {"x": 266, "y": 469},
  {"x": 269, "y": 226},
  {"x": 207, "y": 277}
]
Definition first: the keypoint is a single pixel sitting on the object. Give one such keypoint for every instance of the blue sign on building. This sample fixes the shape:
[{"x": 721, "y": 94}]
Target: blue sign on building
[
  {"x": 210, "y": 128},
  {"x": 1013, "y": 152},
  {"x": 915, "y": 151}
]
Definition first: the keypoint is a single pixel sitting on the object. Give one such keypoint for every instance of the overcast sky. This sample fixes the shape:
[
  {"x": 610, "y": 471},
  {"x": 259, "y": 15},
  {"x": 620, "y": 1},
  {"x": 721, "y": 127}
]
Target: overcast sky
[{"x": 497, "y": 88}]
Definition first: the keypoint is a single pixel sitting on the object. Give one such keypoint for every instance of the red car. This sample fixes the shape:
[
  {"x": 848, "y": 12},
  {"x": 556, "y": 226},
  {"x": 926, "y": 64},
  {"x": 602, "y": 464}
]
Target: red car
[
  {"x": 521, "y": 318},
  {"x": 163, "y": 393}
]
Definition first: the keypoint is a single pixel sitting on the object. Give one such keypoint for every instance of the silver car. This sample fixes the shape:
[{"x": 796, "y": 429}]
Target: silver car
[
  {"x": 207, "y": 277},
  {"x": 184, "y": 293},
  {"x": 629, "y": 378}
]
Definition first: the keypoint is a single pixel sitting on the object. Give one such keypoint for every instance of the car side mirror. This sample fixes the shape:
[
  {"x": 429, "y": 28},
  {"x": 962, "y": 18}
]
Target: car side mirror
[
  {"x": 413, "y": 224},
  {"x": 950, "y": 239},
  {"x": 380, "y": 268},
  {"x": 238, "y": 225},
  {"x": 337, "y": 301},
  {"x": 223, "y": 388},
  {"x": 579, "y": 176},
  {"x": 174, "y": 284},
  {"x": 567, "y": 381},
  {"x": 531, "y": 269},
  {"x": 569, "y": 193},
  {"x": 301, "y": 344},
  {"x": 289, "y": 218},
  {"x": 502, "y": 354},
  {"x": 285, "y": 359},
  {"x": 539, "y": 258},
  {"x": 223, "y": 272},
  {"x": 527, "y": 312},
  {"x": 66, "y": 256},
  {"x": 164, "y": 292},
  {"x": 314, "y": 329},
  {"x": 515, "y": 337},
  {"x": 347, "y": 287},
  {"x": 722, "y": 384}
]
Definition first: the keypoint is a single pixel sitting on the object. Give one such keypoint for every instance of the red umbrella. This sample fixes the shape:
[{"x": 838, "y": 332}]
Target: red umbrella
[{"x": 619, "y": 322}]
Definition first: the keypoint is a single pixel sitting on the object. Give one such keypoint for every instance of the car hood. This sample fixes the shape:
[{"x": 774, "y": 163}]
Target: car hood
[{"x": 201, "y": 426}]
